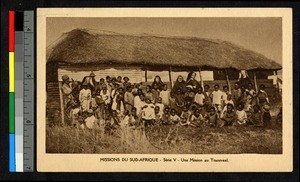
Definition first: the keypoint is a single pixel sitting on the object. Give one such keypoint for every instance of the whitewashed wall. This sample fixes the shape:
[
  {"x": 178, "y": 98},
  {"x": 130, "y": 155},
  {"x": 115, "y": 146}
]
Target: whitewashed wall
[{"x": 135, "y": 74}]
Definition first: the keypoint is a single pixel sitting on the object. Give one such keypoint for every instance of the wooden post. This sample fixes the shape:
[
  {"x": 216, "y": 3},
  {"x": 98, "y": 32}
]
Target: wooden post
[
  {"x": 227, "y": 81},
  {"x": 201, "y": 80},
  {"x": 146, "y": 75},
  {"x": 62, "y": 109},
  {"x": 255, "y": 85},
  {"x": 277, "y": 85},
  {"x": 170, "y": 77}
]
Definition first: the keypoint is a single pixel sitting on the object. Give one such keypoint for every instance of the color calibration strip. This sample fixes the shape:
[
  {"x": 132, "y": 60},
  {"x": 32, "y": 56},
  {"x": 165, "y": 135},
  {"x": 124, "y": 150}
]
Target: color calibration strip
[
  {"x": 21, "y": 91},
  {"x": 11, "y": 47}
]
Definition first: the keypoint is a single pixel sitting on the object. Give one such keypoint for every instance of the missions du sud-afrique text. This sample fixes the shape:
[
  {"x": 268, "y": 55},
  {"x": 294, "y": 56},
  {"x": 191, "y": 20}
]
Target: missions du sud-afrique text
[{"x": 165, "y": 159}]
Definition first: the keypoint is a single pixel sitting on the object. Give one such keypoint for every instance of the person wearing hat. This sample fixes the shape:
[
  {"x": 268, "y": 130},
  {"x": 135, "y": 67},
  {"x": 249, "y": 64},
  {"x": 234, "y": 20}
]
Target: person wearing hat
[
  {"x": 67, "y": 90},
  {"x": 90, "y": 81},
  {"x": 126, "y": 82},
  {"x": 191, "y": 80},
  {"x": 189, "y": 95},
  {"x": 85, "y": 97}
]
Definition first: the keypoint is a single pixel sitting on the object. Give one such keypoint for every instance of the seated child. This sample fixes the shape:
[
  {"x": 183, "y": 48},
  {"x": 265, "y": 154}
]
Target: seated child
[
  {"x": 159, "y": 104},
  {"x": 131, "y": 119},
  {"x": 114, "y": 120},
  {"x": 185, "y": 116},
  {"x": 189, "y": 94},
  {"x": 212, "y": 117},
  {"x": 241, "y": 115},
  {"x": 266, "y": 116},
  {"x": 87, "y": 120},
  {"x": 174, "y": 118},
  {"x": 229, "y": 116},
  {"x": 196, "y": 119},
  {"x": 158, "y": 115},
  {"x": 256, "y": 116},
  {"x": 148, "y": 115},
  {"x": 165, "y": 116}
]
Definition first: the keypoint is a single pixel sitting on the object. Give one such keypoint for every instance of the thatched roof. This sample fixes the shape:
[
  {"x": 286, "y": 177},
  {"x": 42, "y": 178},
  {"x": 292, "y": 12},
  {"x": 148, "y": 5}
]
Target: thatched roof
[{"x": 81, "y": 46}]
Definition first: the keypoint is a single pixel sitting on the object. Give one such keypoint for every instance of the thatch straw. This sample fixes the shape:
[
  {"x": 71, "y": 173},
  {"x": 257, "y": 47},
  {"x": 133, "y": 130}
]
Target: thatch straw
[{"x": 81, "y": 46}]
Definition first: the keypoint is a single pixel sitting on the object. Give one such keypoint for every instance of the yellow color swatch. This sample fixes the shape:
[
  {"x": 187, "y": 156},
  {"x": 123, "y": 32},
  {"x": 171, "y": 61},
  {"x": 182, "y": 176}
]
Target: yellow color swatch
[{"x": 11, "y": 72}]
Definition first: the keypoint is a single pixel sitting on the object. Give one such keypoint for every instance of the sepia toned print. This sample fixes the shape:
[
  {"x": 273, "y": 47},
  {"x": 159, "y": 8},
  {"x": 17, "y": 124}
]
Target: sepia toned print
[{"x": 163, "y": 86}]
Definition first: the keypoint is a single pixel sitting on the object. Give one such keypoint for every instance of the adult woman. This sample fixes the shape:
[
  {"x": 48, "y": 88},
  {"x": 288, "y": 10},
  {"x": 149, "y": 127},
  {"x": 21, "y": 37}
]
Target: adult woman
[
  {"x": 158, "y": 82},
  {"x": 191, "y": 80},
  {"x": 180, "y": 83},
  {"x": 244, "y": 79}
]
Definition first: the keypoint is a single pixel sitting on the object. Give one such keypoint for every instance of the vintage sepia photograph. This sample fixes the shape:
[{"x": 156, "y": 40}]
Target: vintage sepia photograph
[{"x": 163, "y": 85}]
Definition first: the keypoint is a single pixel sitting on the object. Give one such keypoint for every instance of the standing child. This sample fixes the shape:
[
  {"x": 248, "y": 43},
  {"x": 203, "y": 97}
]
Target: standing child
[
  {"x": 226, "y": 92},
  {"x": 100, "y": 105},
  {"x": 179, "y": 100},
  {"x": 149, "y": 94},
  {"x": 105, "y": 95},
  {"x": 207, "y": 95},
  {"x": 165, "y": 95},
  {"x": 85, "y": 97},
  {"x": 262, "y": 95},
  {"x": 241, "y": 115},
  {"x": 139, "y": 103},
  {"x": 128, "y": 98},
  {"x": 236, "y": 94},
  {"x": 199, "y": 97},
  {"x": 172, "y": 100},
  {"x": 266, "y": 116},
  {"x": 155, "y": 91},
  {"x": 217, "y": 98}
]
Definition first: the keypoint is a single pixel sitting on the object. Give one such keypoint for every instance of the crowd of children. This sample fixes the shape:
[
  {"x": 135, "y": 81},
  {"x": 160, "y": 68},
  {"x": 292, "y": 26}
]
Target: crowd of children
[{"x": 117, "y": 102}]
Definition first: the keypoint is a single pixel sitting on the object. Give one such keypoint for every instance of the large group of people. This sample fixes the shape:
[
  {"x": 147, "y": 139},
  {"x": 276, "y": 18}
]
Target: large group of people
[{"x": 115, "y": 101}]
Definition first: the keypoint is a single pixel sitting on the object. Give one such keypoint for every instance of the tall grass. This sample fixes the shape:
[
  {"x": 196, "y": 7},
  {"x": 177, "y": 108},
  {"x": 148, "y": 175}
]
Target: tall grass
[{"x": 164, "y": 139}]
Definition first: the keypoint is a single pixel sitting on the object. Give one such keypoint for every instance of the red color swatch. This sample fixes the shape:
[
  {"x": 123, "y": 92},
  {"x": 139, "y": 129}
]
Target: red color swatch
[{"x": 11, "y": 31}]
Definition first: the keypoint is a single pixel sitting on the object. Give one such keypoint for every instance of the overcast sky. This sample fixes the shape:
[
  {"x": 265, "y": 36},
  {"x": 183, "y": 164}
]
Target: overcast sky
[{"x": 263, "y": 35}]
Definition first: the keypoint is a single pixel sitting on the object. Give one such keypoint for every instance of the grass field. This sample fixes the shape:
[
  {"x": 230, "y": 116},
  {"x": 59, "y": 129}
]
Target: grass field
[
  {"x": 226, "y": 140},
  {"x": 164, "y": 139}
]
